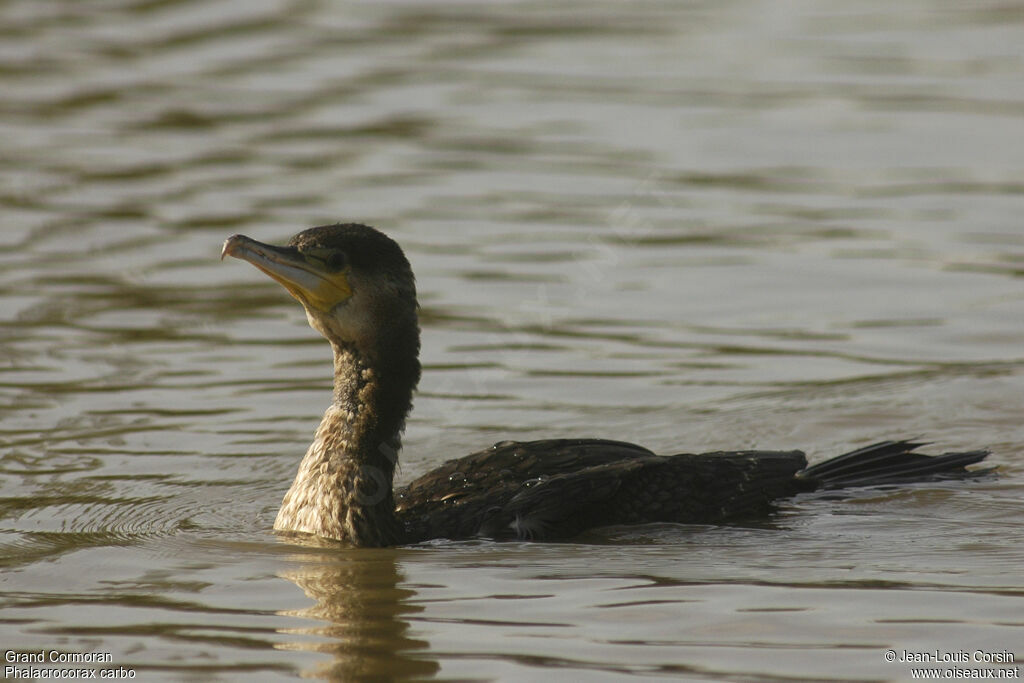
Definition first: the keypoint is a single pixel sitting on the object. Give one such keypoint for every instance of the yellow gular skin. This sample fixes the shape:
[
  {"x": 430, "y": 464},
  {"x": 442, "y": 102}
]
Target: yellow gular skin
[{"x": 304, "y": 275}]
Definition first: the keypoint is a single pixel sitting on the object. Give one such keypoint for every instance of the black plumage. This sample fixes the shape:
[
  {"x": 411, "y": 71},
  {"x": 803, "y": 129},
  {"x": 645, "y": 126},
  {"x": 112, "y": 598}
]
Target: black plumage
[{"x": 557, "y": 488}]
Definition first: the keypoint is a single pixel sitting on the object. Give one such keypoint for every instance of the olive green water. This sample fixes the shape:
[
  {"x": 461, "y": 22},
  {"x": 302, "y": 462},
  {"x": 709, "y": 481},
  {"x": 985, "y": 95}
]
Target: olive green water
[{"x": 693, "y": 225}]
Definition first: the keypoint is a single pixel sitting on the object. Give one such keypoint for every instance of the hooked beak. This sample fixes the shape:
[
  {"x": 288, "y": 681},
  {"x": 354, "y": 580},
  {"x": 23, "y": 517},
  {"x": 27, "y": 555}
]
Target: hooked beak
[{"x": 310, "y": 283}]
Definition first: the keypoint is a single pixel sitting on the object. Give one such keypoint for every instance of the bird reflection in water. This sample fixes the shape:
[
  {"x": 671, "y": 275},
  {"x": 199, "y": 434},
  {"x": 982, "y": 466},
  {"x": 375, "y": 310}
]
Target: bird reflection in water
[{"x": 361, "y": 613}]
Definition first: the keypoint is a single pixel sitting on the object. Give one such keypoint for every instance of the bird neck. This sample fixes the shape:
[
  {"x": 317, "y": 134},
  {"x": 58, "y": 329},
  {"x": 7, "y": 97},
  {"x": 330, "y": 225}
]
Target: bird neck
[{"x": 343, "y": 489}]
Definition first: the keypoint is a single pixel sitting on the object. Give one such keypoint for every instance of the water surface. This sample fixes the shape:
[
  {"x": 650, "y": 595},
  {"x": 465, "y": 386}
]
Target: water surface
[{"x": 697, "y": 226}]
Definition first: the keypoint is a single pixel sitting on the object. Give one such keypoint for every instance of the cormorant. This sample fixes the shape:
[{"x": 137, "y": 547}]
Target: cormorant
[{"x": 359, "y": 292}]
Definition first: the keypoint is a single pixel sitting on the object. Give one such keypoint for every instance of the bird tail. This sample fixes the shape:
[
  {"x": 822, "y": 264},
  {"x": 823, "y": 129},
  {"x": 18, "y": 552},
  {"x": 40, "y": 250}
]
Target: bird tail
[{"x": 891, "y": 462}]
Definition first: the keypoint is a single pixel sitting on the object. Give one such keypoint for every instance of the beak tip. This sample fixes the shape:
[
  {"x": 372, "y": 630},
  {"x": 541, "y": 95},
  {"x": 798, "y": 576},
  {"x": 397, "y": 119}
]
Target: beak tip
[{"x": 231, "y": 245}]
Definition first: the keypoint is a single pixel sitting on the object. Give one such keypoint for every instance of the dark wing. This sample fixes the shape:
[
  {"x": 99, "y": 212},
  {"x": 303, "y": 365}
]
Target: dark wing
[
  {"x": 457, "y": 499},
  {"x": 558, "y": 488},
  {"x": 516, "y": 460},
  {"x": 688, "y": 489},
  {"x": 513, "y": 462}
]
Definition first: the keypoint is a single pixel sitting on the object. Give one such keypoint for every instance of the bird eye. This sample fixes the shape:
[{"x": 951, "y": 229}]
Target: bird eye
[{"x": 335, "y": 260}]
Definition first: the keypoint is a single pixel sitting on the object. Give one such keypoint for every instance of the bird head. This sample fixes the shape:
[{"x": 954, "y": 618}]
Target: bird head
[{"x": 355, "y": 283}]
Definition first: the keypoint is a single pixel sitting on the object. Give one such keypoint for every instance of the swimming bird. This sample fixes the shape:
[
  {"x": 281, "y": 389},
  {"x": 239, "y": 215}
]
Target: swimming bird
[{"x": 358, "y": 290}]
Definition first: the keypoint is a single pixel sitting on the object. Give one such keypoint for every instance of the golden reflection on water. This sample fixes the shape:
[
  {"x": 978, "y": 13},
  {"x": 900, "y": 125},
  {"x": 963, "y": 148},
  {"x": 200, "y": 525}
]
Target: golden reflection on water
[{"x": 360, "y": 615}]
